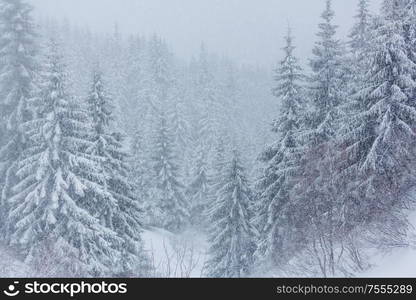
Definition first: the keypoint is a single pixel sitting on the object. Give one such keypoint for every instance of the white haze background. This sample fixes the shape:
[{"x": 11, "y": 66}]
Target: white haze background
[{"x": 249, "y": 31}]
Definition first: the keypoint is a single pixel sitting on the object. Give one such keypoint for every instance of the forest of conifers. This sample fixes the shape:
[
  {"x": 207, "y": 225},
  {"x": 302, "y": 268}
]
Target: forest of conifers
[{"x": 301, "y": 172}]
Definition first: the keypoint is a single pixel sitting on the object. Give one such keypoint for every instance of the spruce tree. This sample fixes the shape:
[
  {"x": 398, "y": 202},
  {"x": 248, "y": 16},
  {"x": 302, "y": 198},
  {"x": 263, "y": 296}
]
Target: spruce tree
[
  {"x": 47, "y": 209},
  {"x": 379, "y": 139},
  {"x": 199, "y": 190},
  {"x": 218, "y": 163},
  {"x": 409, "y": 26},
  {"x": 102, "y": 148},
  {"x": 115, "y": 58},
  {"x": 327, "y": 82},
  {"x": 172, "y": 205},
  {"x": 360, "y": 36},
  {"x": 17, "y": 77},
  {"x": 118, "y": 209},
  {"x": 160, "y": 73},
  {"x": 360, "y": 41},
  {"x": 232, "y": 235},
  {"x": 218, "y": 168},
  {"x": 282, "y": 157},
  {"x": 180, "y": 125},
  {"x": 140, "y": 176},
  {"x": 317, "y": 213},
  {"x": 358, "y": 62},
  {"x": 206, "y": 93},
  {"x": 135, "y": 78}
]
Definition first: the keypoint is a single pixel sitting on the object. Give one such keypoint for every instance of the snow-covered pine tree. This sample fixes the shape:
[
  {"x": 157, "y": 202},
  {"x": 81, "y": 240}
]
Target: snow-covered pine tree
[
  {"x": 140, "y": 176},
  {"x": 327, "y": 82},
  {"x": 47, "y": 208},
  {"x": 206, "y": 93},
  {"x": 173, "y": 207},
  {"x": 160, "y": 72},
  {"x": 180, "y": 124},
  {"x": 358, "y": 61},
  {"x": 17, "y": 77},
  {"x": 143, "y": 125},
  {"x": 179, "y": 117},
  {"x": 379, "y": 143},
  {"x": 128, "y": 222},
  {"x": 317, "y": 199},
  {"x": 199, "y": 190},
  {"x": 220, "y": 160},
  {"x": 117, "y": 208},
  {"x": 232, "y": 235},
  {"x": 102, "y": 205},
  {"x": 208, "y": 113},
  {"x": 360, "y": 38},
  {"x": 409, "y": 26},
  {"x": 134, "y": 107},
  {"x": 281, "y": 158},
  {"x": 218, "y": 163},
  {"x": 117, "y": 71},
  {"x": 230, "y": 110}
]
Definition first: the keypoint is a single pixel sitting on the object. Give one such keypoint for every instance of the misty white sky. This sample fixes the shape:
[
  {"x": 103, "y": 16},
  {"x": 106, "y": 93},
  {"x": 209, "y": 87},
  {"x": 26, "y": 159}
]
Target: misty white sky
[{"x": 250, "y": 31}]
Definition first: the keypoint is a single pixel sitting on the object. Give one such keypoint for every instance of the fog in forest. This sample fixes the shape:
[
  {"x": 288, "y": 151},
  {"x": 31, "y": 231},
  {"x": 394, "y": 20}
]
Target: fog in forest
[{"x": 250, "y": 31}]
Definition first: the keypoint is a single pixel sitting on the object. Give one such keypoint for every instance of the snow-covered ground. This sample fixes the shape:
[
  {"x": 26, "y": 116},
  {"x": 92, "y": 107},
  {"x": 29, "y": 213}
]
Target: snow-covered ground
[
  {"x": 184, "y": 256},
  {"x": 401, "y": 262},
  {"x": 172, "y": 255},
  {"x": 176, "y": 255},
  {"x": 169, "y": 251}
]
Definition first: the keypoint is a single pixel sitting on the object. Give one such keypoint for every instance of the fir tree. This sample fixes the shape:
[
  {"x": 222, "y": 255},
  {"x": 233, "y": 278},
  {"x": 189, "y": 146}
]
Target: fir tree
[
  {"x": 179, "y": 118},
  {"x": 232, "y": 234},
  {"x": 409, "y": 27},
  {"x": 199, "y": 189},
  {"x": 135, "y": 82},
  {"x": 360, "y": 36},
  {"x": 115, "y": 58},
  {"x": 160, "y": 72},
  {"x": 99, "y": 108},
  {"x": 173, "y": 207},
  {"x": 17, "y": 77},
  {"x": 47, "y": 208},
  {"x": 282, "y": 158},
  {"x": 316, "y": 202},
  {"x": 360, "y": 39},
  {"x": 207, "y": 95},
  {"x": 118, "y": 209},
  {"x": 327, "y": 80},
  {"x": 180, "y": 124},
  {"x": 379, "y": 140},
  {"x": 218, "y": 163},
  {"x": 139, "y": 172},
  {"x": 218, "y": 168},
  {"x": 358, "y": 61}
]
